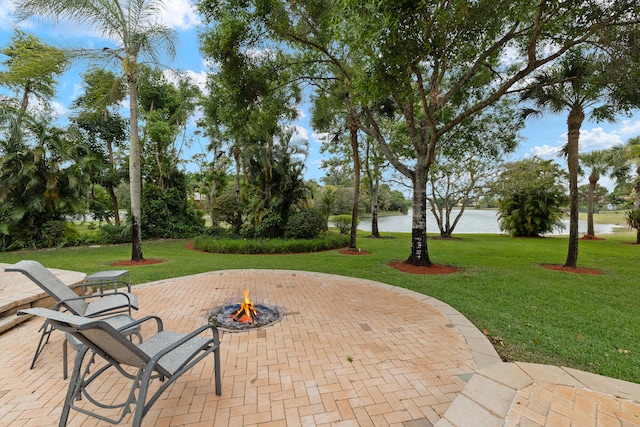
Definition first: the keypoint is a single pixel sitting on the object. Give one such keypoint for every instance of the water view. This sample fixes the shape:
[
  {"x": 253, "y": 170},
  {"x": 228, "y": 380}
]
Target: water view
[{"x": 472, "y": 221}]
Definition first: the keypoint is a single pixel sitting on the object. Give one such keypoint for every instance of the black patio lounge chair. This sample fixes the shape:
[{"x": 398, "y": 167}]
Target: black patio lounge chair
[
  {"x": 106, "y": 304},
  {"x": 165, "y": 355}
]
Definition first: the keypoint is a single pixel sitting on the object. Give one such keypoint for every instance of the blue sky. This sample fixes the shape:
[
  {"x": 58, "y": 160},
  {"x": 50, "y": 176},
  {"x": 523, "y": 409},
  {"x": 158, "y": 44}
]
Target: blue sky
[{"x": 541, "y": 136}]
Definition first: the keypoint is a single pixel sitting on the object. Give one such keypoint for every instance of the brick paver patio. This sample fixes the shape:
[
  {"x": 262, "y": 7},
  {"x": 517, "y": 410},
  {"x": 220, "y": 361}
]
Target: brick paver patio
[{"x": 348, "y": 352}]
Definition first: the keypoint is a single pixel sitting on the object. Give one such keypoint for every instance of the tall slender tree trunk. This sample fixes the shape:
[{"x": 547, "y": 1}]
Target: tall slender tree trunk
[
  {"x": 114, "y": 203},
  {"x": 593, "y": 180},
  {"x": 236, "y": 185},
  {"x": 373, "y": 190},
  {"x": 374, "y": 186},
  {"x": 636, "y": 203},
  {"x": 112, "y": 193},
  {"x": 135, "y": 172},
  {"x": 353, "y": 131},
  {"x": 574, "y": 122}
]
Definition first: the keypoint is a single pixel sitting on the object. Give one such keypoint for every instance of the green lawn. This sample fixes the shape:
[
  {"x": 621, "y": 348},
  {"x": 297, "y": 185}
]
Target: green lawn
[{"x": 590, "y": 322}]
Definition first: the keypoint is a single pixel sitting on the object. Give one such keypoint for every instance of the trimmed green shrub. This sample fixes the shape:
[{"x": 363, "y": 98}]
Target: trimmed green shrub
[
  {"x": 633, "y": 220},
  {"x": 270, "y": 226},
  {"x": 166, "y": 213},
  {"x": 114, "y": 234},
  {"x": 53, "y": 233},
  {"x": 269, "y": 246},
  {"x": 306, "y": 224},
  {"x": 343, "y": 223}
]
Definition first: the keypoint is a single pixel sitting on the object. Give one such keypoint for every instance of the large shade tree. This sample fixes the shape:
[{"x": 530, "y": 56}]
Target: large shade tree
[
  {"x": 443, "y": 63},
  {"x": 134, "y": 29},
  {"x": 440, "y": 62}
]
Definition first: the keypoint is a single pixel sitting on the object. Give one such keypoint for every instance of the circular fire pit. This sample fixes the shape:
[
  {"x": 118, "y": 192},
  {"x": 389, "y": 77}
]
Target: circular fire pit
[{"x": 224, "y": 317}]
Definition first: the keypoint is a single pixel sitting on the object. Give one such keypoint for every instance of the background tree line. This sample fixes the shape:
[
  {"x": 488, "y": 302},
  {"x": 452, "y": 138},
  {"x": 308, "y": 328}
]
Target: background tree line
[{"x": 432, "y": 92}]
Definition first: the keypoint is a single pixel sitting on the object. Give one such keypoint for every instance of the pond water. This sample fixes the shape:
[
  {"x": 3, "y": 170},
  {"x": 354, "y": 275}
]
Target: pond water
[{"x": 472, "y": 221}]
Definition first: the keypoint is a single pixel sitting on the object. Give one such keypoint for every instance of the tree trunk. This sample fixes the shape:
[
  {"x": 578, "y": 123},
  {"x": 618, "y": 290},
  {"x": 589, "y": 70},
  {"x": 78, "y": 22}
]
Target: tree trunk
[
  {"x": 112, "y": 193},
  {"x": 135, "y": 172},
  {"x": 236, "y": 185},
  {"x": 24, "y": 104},
  {"x": 373, "y": 189},
  {"x": 419, "y": 251},
  {"x": 114, "y": 203},
  {"x": 636, "y": 203},
  {"x": 353, "y": 131},
  {"x": 574, "y": 122},
  {"x": 590, "y": 202}
]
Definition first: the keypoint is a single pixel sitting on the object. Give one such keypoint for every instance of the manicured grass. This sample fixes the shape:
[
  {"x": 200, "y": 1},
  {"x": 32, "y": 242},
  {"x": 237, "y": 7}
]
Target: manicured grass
[
  {"x": 608, "y": 217},
  {"x": 532, "y": 314}
]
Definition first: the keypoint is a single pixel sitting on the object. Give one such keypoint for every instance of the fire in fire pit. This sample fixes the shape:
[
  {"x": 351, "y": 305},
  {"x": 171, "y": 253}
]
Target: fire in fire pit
[
  {"x": 247, "y": 312},
  {"x": 244, "y": 315}
]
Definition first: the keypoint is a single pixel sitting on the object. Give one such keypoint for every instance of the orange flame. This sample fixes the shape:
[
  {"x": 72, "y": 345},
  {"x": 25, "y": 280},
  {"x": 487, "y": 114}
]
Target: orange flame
[{"x": 246, "y": 313}]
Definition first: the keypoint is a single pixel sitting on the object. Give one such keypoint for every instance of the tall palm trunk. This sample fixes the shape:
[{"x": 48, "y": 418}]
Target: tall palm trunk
[
  {"x": 593, "y": 180},
  {"x": 353, "y": 131},
  {"x": 574, "y": 122},
  {"x": 135, "y": 173}
]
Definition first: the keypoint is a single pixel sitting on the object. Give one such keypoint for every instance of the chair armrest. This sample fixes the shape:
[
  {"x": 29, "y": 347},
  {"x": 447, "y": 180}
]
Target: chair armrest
[
  {"x": 132, "y": 302},
  {"x": 138, "y": 322}
]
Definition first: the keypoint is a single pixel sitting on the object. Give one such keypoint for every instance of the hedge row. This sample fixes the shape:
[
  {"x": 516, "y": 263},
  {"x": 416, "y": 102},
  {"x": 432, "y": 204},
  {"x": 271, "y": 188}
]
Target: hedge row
[{"x": 269, "y": 246}]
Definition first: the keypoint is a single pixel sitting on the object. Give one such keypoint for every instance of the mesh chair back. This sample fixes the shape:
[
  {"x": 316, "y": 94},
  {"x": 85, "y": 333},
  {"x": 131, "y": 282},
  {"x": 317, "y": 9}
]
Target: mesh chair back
[{"x": 49, "y": 283}]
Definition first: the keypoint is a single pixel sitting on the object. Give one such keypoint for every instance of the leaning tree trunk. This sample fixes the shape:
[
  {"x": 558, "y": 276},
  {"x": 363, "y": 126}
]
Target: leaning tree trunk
[
  {"x": 574, "y": 122},
  {"x": 353, "y": 131},
  {"x": 419, "y": 251},
  {"x": 135, "y": 172}
]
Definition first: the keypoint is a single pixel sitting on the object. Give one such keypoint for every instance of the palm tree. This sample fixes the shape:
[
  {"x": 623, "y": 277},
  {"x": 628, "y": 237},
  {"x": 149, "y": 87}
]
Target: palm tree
[
  {"x": 133, "y": 26},
  {"x": 573, "y": 85},
  {"x": 598, "y": 162},
  {"x": 632, "y": 154}
]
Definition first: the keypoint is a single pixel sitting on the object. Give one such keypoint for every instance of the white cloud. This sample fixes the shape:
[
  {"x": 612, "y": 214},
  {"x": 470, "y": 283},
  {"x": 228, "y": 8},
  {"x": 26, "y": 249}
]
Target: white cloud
[
  {"x": 6, "y": 10},
  {"x": 590, "y": 139},
  {"x": 544, "y": 151},
  {"x": 596, "y": 139},
  {"x": 320, "y": 137},
  {"x": 299, "y": 132},
  {"x": 177, "y": 14},
  {"x": 77, "y": 90},
  {"x": 180, "y": 14},
  {"x": 199, "y": 79},
  {"x": 59, "y": 109},
  {"x": 629, "y": 128}
]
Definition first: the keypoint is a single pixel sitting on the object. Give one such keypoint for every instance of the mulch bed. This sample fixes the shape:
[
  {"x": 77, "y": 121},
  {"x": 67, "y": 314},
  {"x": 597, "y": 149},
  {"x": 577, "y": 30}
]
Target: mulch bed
[
  {"x": 129, "y": 263},
  {"x": 590, "y": 237},
  {"x": 576, "y": 270},
  {"x": 353, "y": 252},
  {"x": 432, "y": 269}
]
